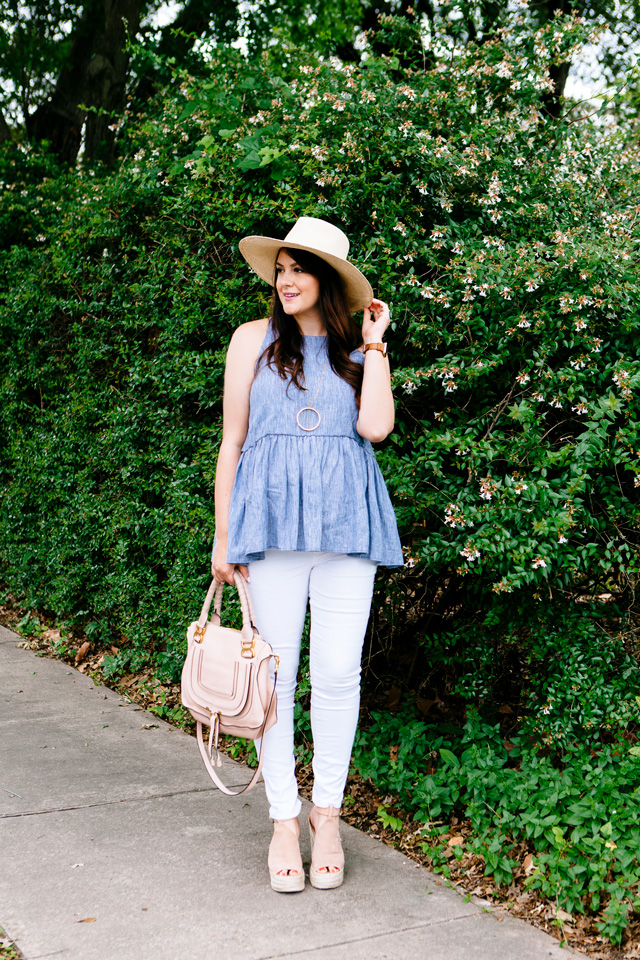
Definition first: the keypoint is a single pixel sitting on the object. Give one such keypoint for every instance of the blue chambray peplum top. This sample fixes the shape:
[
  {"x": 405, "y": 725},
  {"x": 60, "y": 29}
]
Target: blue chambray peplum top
[{"x": 314, "y": 491}]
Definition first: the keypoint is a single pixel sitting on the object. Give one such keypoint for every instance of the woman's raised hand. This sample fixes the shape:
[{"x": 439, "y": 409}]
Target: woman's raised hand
[{"x": 375, "y": 322}]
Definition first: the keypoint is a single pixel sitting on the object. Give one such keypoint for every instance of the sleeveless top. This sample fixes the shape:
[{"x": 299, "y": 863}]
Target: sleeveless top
[{"x": 320, "y": 490}]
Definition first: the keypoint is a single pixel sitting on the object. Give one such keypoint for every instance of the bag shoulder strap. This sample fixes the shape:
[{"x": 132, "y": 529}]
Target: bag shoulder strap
[{"x": 211, "y": 770}]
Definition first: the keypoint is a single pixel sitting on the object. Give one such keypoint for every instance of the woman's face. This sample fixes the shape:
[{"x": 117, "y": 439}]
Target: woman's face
[{"x": 299, "y": 292}]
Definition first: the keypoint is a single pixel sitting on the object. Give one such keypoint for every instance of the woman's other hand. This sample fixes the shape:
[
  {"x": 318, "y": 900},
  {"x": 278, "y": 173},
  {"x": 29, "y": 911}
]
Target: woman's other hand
[
  {"x": 222, "y": 571},
  {"x": 375, "y": 322}
]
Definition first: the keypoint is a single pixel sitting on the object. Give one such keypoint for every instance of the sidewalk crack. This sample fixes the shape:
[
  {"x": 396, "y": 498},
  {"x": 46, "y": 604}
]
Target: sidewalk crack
[
  {"x": 106, "y": 803},
  {"x": 309, "y": 951}
]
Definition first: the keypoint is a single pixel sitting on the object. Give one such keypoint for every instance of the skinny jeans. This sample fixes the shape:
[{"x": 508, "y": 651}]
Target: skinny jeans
[{"x": 338, "y": 589}]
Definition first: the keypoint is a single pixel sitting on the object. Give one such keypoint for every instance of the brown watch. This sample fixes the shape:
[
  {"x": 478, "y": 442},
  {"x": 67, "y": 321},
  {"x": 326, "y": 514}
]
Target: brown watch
[{"x": 382, "y": 347}]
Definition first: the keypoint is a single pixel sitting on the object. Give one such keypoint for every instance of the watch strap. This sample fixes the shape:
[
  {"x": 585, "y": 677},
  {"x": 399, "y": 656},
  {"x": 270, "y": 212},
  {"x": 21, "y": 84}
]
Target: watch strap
[{"x": 382, "y": 347}]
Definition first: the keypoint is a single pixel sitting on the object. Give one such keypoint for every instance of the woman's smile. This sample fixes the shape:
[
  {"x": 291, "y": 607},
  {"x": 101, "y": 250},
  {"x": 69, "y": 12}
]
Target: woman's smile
[{"x": 299, "y": 291}]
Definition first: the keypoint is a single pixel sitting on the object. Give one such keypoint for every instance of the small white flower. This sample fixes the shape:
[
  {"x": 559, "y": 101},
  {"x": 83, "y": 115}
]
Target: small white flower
[
  {"x": 562, "y": 538},
  {"x": 487, "y": 488},
  {"x": 470, "y": 553},
  {"x": 538, "y": 562}
]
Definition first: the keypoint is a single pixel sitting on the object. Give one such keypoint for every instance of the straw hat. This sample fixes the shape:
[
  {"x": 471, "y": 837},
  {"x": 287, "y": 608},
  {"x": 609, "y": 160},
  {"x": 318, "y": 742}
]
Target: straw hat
[{"x": 319, "y": 237}]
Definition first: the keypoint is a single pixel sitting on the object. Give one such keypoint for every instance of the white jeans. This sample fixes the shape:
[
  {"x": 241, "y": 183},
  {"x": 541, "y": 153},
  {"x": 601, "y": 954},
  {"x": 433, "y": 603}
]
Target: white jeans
[{"x": 339, "y": 590}]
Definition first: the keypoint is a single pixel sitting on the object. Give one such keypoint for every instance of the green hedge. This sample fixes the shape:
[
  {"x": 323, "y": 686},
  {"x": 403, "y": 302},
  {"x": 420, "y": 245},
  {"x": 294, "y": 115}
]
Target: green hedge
[{"x": 505, "y": 241}]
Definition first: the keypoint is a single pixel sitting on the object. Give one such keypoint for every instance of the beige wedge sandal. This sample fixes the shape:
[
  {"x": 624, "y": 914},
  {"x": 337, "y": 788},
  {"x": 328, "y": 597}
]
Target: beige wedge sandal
[
  {"x": 327, "y": 857},
  {"x": 285, "y": 863}
]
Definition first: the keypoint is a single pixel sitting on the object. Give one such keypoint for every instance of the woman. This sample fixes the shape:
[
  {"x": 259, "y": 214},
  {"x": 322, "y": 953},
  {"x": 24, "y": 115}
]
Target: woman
[{"x": 302, "y": 510}]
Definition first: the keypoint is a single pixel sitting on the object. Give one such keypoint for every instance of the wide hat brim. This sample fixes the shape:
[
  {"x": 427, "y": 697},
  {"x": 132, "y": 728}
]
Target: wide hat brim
[{"x": 261, "y": 252}]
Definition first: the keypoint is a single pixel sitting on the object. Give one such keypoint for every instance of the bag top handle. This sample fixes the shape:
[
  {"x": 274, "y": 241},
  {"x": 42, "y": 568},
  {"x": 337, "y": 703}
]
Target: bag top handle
[{"x": 214, "y": 593}]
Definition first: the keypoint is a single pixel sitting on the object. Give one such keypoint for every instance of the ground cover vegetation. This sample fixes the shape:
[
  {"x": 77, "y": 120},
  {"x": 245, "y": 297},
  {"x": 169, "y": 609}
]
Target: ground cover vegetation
[
  {"x": 8, "y": 950},
  {"x": 501, "y": 665}
]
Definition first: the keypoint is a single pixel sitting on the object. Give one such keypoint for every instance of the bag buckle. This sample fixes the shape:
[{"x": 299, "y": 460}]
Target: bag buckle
[
  {"x": 198, "y": 634},
  {"x": 247, "y": 649}
]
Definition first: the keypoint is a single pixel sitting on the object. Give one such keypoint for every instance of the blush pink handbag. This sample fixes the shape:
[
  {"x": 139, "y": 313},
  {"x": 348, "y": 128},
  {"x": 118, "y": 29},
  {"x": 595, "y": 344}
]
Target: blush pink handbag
[{"x": 227, "y": 682}]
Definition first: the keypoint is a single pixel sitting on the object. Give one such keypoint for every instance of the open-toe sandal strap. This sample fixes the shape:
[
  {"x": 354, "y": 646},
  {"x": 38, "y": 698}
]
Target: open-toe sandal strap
[
  {"x": 286, "y": 856},
  {"x": 327, "y": 846}
]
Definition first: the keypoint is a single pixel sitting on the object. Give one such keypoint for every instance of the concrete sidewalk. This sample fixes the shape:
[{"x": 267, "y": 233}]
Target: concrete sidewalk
[{"x": 115, "y": 846}]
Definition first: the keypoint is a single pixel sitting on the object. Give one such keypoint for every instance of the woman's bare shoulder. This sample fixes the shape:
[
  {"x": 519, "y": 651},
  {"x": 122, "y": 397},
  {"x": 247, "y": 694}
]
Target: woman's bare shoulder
[
  {"x": 251, "y": 330},
  {"x": 245, "y": 344}
]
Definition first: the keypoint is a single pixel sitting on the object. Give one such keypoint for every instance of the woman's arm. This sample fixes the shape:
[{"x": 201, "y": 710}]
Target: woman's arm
[
  {"x": 377, "y": 412},
  {"x": 238, "y": 377}
]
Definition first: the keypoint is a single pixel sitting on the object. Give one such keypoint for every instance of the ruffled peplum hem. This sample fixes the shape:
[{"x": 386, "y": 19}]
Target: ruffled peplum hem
[{"x": 318, "y": 493}]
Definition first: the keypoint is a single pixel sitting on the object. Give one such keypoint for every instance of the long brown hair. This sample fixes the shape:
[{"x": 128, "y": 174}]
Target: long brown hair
[{"x": 343, "y": 333}]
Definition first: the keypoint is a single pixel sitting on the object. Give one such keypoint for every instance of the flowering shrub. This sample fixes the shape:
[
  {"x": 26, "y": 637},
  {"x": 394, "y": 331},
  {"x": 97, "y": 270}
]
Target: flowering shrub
[
  {"x": 504, "y": 240},
  {"x": 506, "y": 244}
]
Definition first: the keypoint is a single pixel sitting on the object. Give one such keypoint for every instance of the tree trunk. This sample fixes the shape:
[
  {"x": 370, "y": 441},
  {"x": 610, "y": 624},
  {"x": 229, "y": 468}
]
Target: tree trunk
[
  {"x": 5, "y": 130},
  {"x": 60, "y": 119},
  {"x": 560, "y": 71},
  {"x": 551, "y": 101},
  {"x": 94, "y": 76},
  {"x": 106, "y": 77}
]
